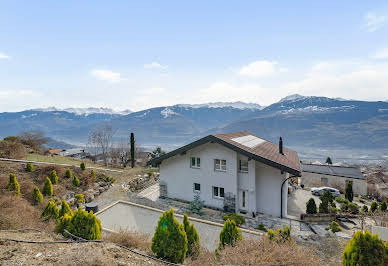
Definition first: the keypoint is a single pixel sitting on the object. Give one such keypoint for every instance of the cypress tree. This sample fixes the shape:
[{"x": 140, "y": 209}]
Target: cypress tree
[
  {"x": 68, "y": 173},
  {"x": 93, "y": 174},
  {"x": 311, "y": 207},
  {"x": 82, "y": 166},
  {"x": 37, "y": 196},
  {"x": 53, "y": 177},
  {"x": 329, "y": 161},
  {"x": 30, "y": 168},
  {"x": 230, "y": 234},
  {"x": 51, "y": 211},
  {"x": 85, "y": 224},
  {"x": 48, "y": 188},
  {"x": 13, "y": 184},
  {"x": 349, "y": 191},
  {"x": 132, "y": 150},
  {"x": 383, "y": 206},
  {"x": 193, "y": 244},
  {"x": 76, "y": 181},
  {"x": 65, "y": 209}
]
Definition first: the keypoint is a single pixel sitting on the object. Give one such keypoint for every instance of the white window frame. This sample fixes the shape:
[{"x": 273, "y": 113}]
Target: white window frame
[
  {"x": 221, "y": 165},
  {"x": 240, "y": 169},
  {"x": 195, "y": 189},
  {"x": 197, "y": 162},
  {"x": 218, "y": 189}
]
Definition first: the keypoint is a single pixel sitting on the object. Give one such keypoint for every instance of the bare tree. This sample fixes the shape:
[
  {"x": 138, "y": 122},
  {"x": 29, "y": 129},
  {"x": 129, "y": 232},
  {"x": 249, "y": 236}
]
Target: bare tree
[
  {"x": 34, "y": 139},
  {"x": 121, "y": 153},
  {"x": 100, "y": 139}
]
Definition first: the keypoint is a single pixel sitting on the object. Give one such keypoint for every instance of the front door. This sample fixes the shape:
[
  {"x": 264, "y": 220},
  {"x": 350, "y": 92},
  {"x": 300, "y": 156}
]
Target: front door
[{"x": 244, "y": 200}]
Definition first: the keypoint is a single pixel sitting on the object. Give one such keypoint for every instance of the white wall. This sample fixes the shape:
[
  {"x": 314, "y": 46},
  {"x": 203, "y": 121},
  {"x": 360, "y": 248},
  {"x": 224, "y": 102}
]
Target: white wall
[
  {"x": 179, "y": 177},
  {"x": 247, "y": 181},
  {"x": 268, "y": 186}
]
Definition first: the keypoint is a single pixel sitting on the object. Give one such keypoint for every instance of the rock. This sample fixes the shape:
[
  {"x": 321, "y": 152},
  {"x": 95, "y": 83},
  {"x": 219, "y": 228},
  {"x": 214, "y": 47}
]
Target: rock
[
  {"x": 71, "y": 201},
  {"x": 89, "y": 197},
  {"x": 96, "y": 193},
  {"x": 101, "y": 189}
]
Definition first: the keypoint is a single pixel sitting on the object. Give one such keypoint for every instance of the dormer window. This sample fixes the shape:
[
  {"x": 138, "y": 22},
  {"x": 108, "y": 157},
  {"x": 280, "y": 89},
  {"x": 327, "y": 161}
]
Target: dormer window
[{"x": 195, "y": 162}]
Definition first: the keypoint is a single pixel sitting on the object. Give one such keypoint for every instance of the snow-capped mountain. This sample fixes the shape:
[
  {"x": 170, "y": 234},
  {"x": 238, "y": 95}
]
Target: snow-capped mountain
[
  {"x": 236, "y": 105},
  {"x": 84, "y": 111}
]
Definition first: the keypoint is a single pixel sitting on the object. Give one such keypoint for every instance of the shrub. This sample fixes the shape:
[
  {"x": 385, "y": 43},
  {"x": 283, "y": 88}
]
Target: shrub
[
  {"x": 13, "y": 185},
  {"x": 68, "y": 173},
  {"x": 63, "y": 223},
  {"x": 85, "y": 224},
  {"x": 82, "y": 166},
  {"x": 353, "y": 208},
  {"x": 383, "y": 206},
  {"x": 93, "y": 174},
  {"x": 193, "y": 245},
  {"x": 311, "y": 207},
  {"x": 324, "y": 207},
  {"x": 54, "y": 177},
  {"x": 80, "y": 198},
  {"x": 12, "y": 150},
  {"x": 238, "y": 219},
  {"x": 344, "y": 207},
  {"x": 365, "y": 249},
  {"x": 51, "y": 211},
  {"x": 365, "y": 209},
  {"x": 326, "y": 199},
  {"x": 349, "y": 191},
  {"x": 48, "y": 188},
  {"x": 327, "y": 196},
  {"x": 341, "y": 200},
  {"x": 170, "y": 241},
  {"x": 76, "y": 181},
  {"x": 30, "y": 168},
  {"x": 230, "y": 234},
  {"x": 150, "y": 173},
  {"x": 334, "y": 227},
  {"x": 197, "y": 204},
  {"x": 281, "y": 235},
  {"x": 261, "y": 227},
  {"x": 65, "y": 209},
  {"x": 37, "y": 196},
  {"x": 271, "y": 234},
  {"x": 373, "y": 207}
]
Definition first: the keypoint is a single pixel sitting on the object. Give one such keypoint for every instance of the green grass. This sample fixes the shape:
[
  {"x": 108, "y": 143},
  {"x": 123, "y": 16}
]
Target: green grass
[{"x": 58, "y": 159}]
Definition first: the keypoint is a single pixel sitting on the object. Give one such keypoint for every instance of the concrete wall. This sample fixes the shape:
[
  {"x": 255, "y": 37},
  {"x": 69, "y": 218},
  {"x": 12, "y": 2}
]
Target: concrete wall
[
  {"x": 313, "y": 179},
  {"x": 268, "y": 185},
  {"x": 179, "y": 177}
]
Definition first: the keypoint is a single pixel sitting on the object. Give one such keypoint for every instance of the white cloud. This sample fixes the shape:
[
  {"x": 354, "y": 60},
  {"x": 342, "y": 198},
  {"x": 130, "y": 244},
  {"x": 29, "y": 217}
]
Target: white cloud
[
  {"x": 373, "y": 22},
  {"x": 155, "y": 65},
  {"x": 107, "y": 75},
  {"x": 260, "y": 69},
  {"x": 381, "y": 54},
  {"x": 4, "y": 56}
]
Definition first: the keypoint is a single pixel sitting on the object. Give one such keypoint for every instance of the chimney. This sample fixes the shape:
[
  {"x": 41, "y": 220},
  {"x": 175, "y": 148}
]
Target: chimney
[{"x": 281, "y": 146}]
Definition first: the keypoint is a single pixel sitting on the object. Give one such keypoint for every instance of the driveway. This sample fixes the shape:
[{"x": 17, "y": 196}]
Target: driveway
[
  {"x": 133, "y": 217},
  {"x": 296, "y": 204}
]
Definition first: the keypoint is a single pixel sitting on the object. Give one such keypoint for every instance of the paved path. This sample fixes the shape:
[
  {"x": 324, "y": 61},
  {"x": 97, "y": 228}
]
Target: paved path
[
  {"x": 61, "y": 164},
  {"x": 151, "y": 192},
  {"x": 143, "y": 219}
]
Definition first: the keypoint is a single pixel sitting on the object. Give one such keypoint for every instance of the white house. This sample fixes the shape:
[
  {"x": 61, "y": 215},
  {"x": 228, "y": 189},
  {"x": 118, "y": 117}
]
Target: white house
[{"x": 235, "y": 172}]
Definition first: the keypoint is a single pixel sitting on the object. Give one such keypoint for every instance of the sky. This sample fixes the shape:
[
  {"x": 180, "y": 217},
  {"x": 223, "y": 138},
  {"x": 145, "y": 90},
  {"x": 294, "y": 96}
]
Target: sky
[{"x": 142, "y": 54}]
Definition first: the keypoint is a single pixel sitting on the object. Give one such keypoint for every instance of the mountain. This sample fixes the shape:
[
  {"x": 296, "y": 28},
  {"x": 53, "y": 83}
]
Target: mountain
[
  {"x": 84, "y": 111},
  {"x": 237, "y": 105}
]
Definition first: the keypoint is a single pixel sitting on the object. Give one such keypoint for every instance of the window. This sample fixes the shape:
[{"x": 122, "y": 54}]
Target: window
[
  {"x": 243, "y": 166},
  {"x": 219, "y": 165},
  {"x": 218, "y": 192},
  {"x": 195, "y": 162},
  {"x": 197, "y": 187}
]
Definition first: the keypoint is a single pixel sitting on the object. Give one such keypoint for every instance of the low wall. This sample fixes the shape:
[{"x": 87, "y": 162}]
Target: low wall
[{"x": 381, "y": 231}]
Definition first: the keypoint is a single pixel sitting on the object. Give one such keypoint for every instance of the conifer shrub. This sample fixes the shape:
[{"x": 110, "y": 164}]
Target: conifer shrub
[
  {"x": 193, "y": 245},
  {"x": 63, "y": 223},
  {"x": 169, "y": 241},
  {"x": 341, "y": 200},
  {"x": 29, "y": 168},
  {"x": 13, "y": 185},
  {"x": 281, "y": 235},
  {"x": 326, "y": 200},
  {"x": 334, "y": 227},
  {"x": 85, "y": 224},
  {"x": 373, "y": 207},
  {"x": 82, "y": 166},
  {"x": 76, "y": 181},
  {"x": 48, "y": 188},
  {"x": 230, "y": 234},
  {"x": 54, "y": 177},
  {"x": 383, "y": 206},
  {"x": 238, "y": 219},
  {"x": 51, "y": 211},
  {"x": 65, "y": 209},
  {"x": 93, "y": 174},
  {"x": 365, "y": 249},
  {"x": 365, "y": 209},
  {"x": 68, "y": 174},
  {"x": 349, "y": 191},
  {"x": 261, "y": 227},
  {"x": 197, "y": 204},
  {"x": 311, "y": 207},
  {"x": 353, "y": 208},
  {"x": 80, "y": 198},
  {"x": 37, "y": 196}
]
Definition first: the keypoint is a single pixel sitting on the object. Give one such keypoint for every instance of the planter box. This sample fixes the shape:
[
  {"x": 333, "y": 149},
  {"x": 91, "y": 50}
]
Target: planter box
[{"x": 319, "y": 217}]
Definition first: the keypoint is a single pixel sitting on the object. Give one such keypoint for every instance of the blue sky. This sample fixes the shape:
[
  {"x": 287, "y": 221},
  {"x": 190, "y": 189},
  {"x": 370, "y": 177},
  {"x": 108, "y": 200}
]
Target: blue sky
[{"x": 141, "y": 54}]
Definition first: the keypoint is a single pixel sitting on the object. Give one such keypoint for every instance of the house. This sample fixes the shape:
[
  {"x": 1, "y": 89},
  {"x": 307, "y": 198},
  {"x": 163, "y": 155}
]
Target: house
[
  {"x": 75, "y": 153},
  {"x": 53, "y": 152},
  {"x": 237, "y": 172},
  {"x": 334, "y": 176}
]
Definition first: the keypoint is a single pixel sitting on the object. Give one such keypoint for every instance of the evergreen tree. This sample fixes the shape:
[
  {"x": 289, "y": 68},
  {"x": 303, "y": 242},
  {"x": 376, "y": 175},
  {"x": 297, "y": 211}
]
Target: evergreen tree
[
  {"x": 82, "y": 166},
  {"x": 349, "y": 191},
  {"x": 37, "y": 196},
  {"x": 383, "y": 206},
  {"x": 65, "y": 209},
  {"x": 193, "y": 244},
  {"x": 230, "y": 234},
  {"x": 373, "y": 207},
  {"x": 29, "y": 168},
  {"x": 329, "y": 161},
  {"x": 326, "y": 200},
  {"x": 132, "y": 150},
  {"x": 93, "y": 174},
  {"x": 365, "y": 249},
  {"x": 48, "y": 188},
  {"x": 51, "y": 211},
  {"x": 68, "y": 173},
  {"x": 76, "y": 181},
  {"x": 85, "y": 224},
  {"x": 13, "y": 185},
  {"x": 54, "y": 177},
  {"x": 170, "y": 241},
  {"x": 311, "y": 207}
]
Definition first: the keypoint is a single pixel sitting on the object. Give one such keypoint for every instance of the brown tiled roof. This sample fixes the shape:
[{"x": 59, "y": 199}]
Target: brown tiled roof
[
  {"x": 56, "y": 151},
  {"x": 265, "y": 152}
]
